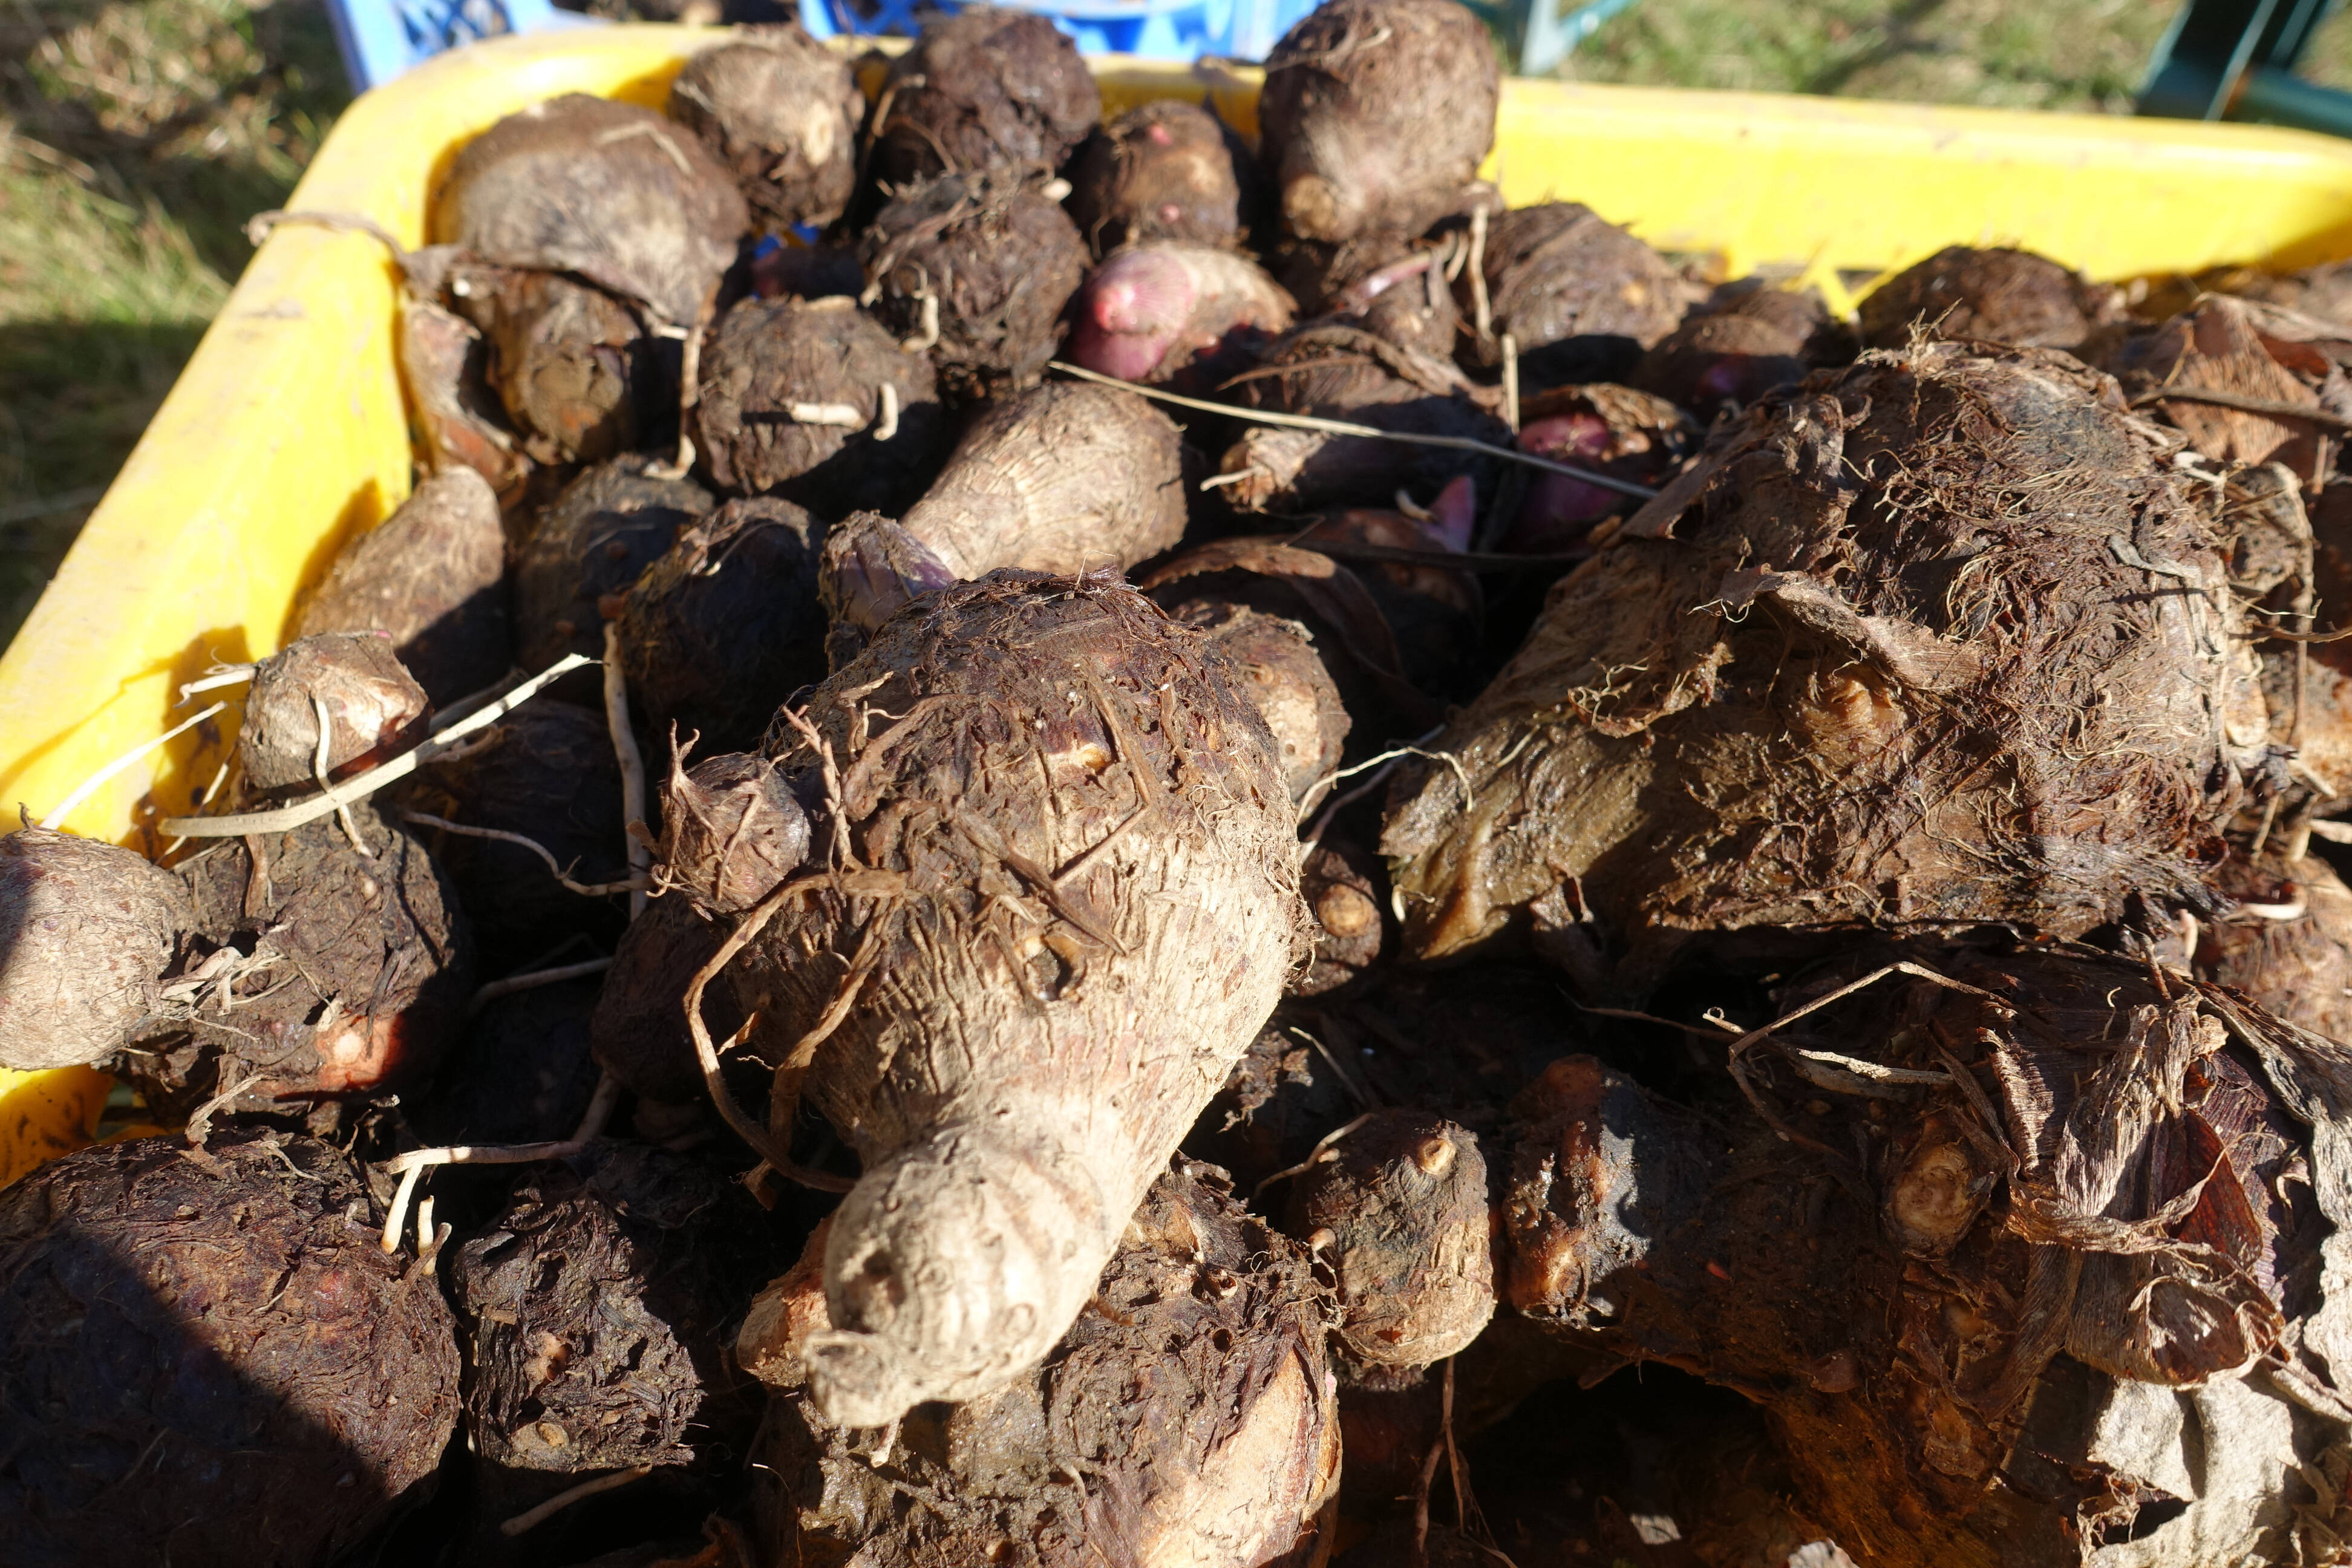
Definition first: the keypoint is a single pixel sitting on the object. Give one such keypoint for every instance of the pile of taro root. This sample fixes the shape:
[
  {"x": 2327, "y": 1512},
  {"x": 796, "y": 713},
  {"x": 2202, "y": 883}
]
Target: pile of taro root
[{"x": 1060, "y": 841}]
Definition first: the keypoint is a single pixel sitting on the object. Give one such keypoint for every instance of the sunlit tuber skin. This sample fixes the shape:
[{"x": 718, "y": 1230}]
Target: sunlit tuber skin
[
  {"x": 1195, "y": 1381},
  {"x": 1168, "y": 170},
  {"x": 1376, "y": 113},
  {"x": 1286, "y": 679},
  {"x": 616, "y": 194},
  {"x": 1398, "y": 1211},
  {"x": 983, "y": 87},
  {"x": 1065, "y": 478},
  {"x": 1078, "y": 900},
  {"x": 1580, "y": 298},
  {"x": 1173, "y": 312},
  {"x": 445, "y": 370},
  {"x": 431, "y": 577},
  {"x": 578, "y": 373},
  {"x": 1991, "y": 295},
  {"x": 731, "y": 830},
  {"x": 93, "y": 928},
  {"x": 1343, "y": 894},
  {"x": 372, "y": 703},
  {"x": 872, "y": 568},
  {"x": 781, "y": 111}
]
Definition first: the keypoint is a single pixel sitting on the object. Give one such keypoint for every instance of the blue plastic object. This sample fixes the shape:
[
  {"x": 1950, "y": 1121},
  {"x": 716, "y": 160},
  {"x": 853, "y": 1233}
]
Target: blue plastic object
[
  {"x": 381, "y": 39},
  {"x": 1155, "y": 29}
]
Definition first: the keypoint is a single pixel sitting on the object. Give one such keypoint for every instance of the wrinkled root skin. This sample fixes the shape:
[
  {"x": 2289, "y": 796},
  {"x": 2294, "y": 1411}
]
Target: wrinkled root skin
[
  {"x": 1192, "y": 1397},
  {"x": 373, "y": 705},
  {"x": 1581, "y": 297},
  {"x": 1989, "y": 295},
  {"x": 594, "y": 1304},
  {"x": 1979, "y": 1302},
  {"x": 1022, "y": 1054},
  {"x": 781, "y": 111},
  {"x": 984, "y": 87},
  {"x": 1825, "y": 679},
  {"x": 206, "y": 1359},
  {"x": 93, "y": 929}
]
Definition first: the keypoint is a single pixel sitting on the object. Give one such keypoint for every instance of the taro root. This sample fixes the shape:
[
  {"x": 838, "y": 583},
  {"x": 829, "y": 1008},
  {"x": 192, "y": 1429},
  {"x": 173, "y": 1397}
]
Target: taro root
[
  {"x": 1344, "y": 899},
  {"x": 445, "y": 370},
  {"x": 1397, "y": 292},
  {"x": 1989, "y": 295},
  {"x": 781, "y": 111},
  {"x": 549, "y": 773},
  {"x": 1614, "y": 430},
  {"x": 731, "y": 830},
  {"x": 1345, "y": 373},
  {"x": 593, "y": 542},
  {"x": 1582, "y": 299},
  {"x": 639, "y": 1030},
  {"x": 2007, "y": 1250},
  {"x": 983, "y": 89},
  {"x": 335, "y": 974},
  {"x": 979, "y": 267},
  {"x": 1064, "y": 478},
  {"x": 370, "y": 704},
  {"x": 793, "y": 403},
  {"x": 92, "y": 929},
  {"x": 618, "y": 196},
  {"x": 523, "y": 1074},
  {"x": 1175, "y": 312},
  {"x": 1066, "y": 897},
  {"x": 432, "y": 578},
  {"x": 873, "y": 568},
  {"x": 1729, "y": 355},
  {"x": 1376, "y": 114},
  {"x": 1436, "y": 614},
  {"x": 1939, "y": 638},
  {"x": 1397, "y": 1210},
  {"x": 726, "y": 625},
  {"x": 577, "y": 369},
  {"x": 594, "y": 1306},
  {"x": 1169, "y": 170},
  {"x": 220, "y": 1332},
  {"x": 2218, "y": 345},
  {"x": 1186, "y": 1419},
  {"x": 2284, "y": 940},
  {"x": 1286, "y": 681}
]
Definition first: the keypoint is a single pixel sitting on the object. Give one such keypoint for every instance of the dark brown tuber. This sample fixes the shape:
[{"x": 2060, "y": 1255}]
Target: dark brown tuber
[
  {"x": 983, "y": 89},
  {"x": 1988, "y": 295},
  {"x": 1169, "y": 170},
  {"x": 781, "y": 111},
  {"x": 350, "y": 684},
  {"x": 592, "y": 541},
  {"x": 1582, "y": 299}
]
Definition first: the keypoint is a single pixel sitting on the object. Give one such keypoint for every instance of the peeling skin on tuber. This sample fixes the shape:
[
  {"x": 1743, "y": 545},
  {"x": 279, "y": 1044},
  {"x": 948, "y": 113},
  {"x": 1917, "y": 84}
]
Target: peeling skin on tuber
[
  {"x": 1397, "y": 1211},
  {"x": 2067, "y": 1219},
  {"x": 781, "y": 111},
  {"x": 374, "y": 706},
  {"x": 214, "y": 1322},
  {"x": 1068, "y": 477},
  {"x": 93, "y": 930},
  {"x": 1376, "y": 113},
  {"x": 628, "y": 200},
  {"x": 2284, "y": 939},
  {"x": 768, "y": 357},
  {"x": 432, "y": 578},
  {"x": 1168, "y": 170},
  {"x": 1614, "y": 429},
  {"x": 727, "y": 625},
  {"x": 1063, "y": 877},
  {"x": 346, "y": 973},
  {"x": 980, "y": 265},
  {"x": 1581, "y": 297},
  {"x": 1175, "y": 313},
  {"x": 1194, "y": 1383},
  {"x": 983, "y": 89},
  {"x": 1706, "y": 648},
  {"x": 575, "y": 367},
  {"x": 1991, "y": 295},
  {"x": 445, "y": 370}
]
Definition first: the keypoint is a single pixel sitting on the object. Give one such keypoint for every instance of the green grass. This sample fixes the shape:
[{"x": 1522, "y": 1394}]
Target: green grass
[{"x": 135, "y": 138}]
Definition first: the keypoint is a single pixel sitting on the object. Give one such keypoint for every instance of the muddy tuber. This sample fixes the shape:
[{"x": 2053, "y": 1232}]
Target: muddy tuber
[
  {"x": 781, "y": 111},
  {"x": 983, "y": 87}
]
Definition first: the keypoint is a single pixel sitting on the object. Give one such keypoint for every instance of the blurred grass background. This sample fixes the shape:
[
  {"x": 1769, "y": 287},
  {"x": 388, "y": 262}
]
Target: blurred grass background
[{"x": 136, "y": 136}]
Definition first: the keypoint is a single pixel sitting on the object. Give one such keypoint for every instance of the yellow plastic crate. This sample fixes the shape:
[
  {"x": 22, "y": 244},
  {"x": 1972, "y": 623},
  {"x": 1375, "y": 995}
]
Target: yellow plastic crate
[{"x": 286, "y": 435}]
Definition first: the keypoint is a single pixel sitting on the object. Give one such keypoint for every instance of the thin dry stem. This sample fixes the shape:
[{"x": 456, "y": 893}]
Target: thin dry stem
[
  {"x": 586, "y": 889},
  {"x": 532, "y": 1518},
  {"x": 535, "y": 979},
  {"x": 633, "y": 768},
  {"x": 98, "y": 780}
]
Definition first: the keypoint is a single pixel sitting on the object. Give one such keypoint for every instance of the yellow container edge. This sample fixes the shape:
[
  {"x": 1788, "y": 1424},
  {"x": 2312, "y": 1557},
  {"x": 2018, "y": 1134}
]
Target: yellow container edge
[{"x": 286, "y": 435}]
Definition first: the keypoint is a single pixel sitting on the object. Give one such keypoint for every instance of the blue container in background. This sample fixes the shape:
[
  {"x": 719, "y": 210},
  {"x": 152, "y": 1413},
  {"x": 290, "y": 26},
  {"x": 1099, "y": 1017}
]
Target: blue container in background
[{"x": 1155, "y": 29}]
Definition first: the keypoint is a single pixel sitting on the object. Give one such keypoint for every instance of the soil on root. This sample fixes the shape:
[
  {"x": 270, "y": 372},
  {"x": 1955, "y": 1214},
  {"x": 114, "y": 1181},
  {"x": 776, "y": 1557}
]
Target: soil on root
[
  {"x": 91, "y": 929},
  {"x": 580, "y": 376},
  {"x": 547, "y": 772},
  {"x": 768, "y": 358},
  {"x": 983, "y": 89},
  {"x": 726, "y": 625},
  {"x": 1999, "y": 1246},
  {"x": 206, "y": 1358},
  {"x": 333, "y": 974},
  {"x": 1994, "y": 296},
  {"x": 1376, "y": 113},
  {"x": 1186, "y": 1418},
  {"x": 432, "y": 578},
  {"x": 1936, "y": 639},
  {"x": 595, "y": 1311},
  {"x": 591, "y": 544},
  {"x": 1061, "y": 859},
  {"x": 982, "y": 262},
  {"x": 1169, "y": 170},
  {"x": 781, "y": 111}
]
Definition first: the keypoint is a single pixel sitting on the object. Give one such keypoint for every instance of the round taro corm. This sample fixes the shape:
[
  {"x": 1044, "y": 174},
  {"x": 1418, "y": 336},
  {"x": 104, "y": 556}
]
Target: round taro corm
[
  {"x": 207, "y": 1358},
  {"x": 92, "y": 929},
  {"x": 591, "y": 542},
  {"x": 985, "y": 88},
  {"x": 781, "y": 111}
]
